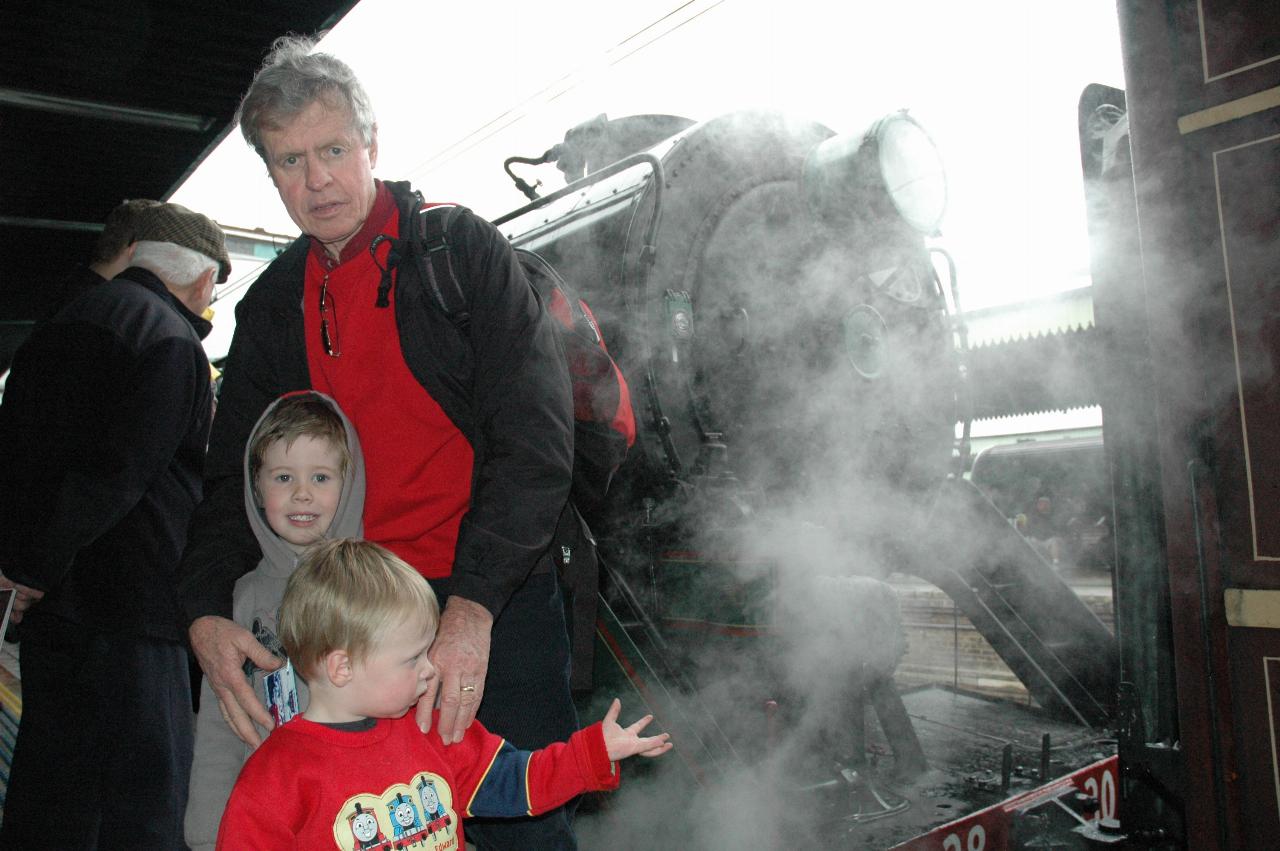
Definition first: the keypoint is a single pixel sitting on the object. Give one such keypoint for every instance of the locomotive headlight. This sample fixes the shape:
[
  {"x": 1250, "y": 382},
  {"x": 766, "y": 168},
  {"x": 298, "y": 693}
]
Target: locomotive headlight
[{"x": 891, "y": 169}]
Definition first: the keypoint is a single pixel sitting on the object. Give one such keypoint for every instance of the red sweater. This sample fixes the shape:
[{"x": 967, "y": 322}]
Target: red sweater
[
  {"x": 312, "y": 787},
  {"x": 417, "y": 462}
]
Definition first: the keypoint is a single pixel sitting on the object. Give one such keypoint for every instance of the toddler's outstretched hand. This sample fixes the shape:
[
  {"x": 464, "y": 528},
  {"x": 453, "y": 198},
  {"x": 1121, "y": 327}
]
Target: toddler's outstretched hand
[{"x": 622, "y": 742}]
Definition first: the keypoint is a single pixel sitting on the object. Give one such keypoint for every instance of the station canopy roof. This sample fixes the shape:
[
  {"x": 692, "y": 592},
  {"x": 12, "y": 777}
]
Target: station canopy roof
[{"x": 104, "y": 101}]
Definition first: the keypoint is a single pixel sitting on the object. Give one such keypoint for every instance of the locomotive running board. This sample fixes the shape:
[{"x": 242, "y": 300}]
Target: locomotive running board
[{"x": 1053, "y": 642}]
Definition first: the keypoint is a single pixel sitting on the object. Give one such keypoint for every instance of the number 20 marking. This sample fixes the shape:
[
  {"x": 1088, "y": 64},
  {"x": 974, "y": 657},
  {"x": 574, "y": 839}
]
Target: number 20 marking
[
  {"x": 1104, "y": 791},
  {"x": 1106, "y": 795},
  {"x": 976, "y": 840}
]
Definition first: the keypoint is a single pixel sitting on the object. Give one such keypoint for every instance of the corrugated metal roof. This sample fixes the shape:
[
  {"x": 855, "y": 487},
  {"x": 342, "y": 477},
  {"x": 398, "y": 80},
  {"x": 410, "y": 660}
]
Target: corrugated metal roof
[
  {"x": 1070, "y": 310},
  {"x": 1034, "y": 374}
]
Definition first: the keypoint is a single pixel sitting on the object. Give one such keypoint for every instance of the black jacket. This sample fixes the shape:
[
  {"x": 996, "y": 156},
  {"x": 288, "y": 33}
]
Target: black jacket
[
  {"x": 506, "y": 388},
  {"x": 81, "y": 280},
  {"x": 102, "y": 436}
]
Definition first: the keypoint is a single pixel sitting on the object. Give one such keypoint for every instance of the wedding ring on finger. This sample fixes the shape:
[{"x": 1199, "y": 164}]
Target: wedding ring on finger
[{"x": 467, "y": 689}]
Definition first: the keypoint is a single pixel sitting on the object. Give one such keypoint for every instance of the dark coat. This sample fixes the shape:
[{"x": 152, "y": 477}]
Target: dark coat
[
  {"x": 80, "y": 281},
  {"x": 505, "y": 386},
  {"x": 102, "y": 435}
]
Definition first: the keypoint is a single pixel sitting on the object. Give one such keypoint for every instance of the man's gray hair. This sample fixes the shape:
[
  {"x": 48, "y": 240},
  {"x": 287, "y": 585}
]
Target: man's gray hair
[
  {"x": 290, "y": 80},
  {"x": 175, "y": 265}
]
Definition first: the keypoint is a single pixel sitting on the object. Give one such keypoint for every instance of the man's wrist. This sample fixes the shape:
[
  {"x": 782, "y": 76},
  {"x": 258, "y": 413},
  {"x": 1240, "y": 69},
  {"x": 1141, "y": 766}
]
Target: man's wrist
[
  {"x": 468, "y": 611},
  {"x": 477, "y": 589}
]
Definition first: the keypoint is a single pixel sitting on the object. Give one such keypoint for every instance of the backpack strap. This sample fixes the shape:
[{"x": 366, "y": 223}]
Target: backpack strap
[
  {"x": 424, "y": 242},
  {"x": 383, "y": 298},
  {"x": 432, "y": 231}
]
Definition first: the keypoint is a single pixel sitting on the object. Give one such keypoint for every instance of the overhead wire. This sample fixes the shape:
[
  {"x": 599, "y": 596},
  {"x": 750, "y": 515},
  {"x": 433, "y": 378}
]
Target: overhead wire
[
  {"x": 519, "y": 111},
  {"x": 561, "y": 86},
  {"x": 221, "y": 291}
]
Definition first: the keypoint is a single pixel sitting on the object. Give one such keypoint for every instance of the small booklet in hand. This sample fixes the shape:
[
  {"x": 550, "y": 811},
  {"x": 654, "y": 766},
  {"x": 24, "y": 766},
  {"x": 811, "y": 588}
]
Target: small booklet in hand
[
  {"x": 281, "y": 692},
  {"x": 279, "y": 688}
]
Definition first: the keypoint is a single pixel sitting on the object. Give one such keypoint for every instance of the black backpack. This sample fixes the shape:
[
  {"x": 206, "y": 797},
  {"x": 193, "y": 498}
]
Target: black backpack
[{"x": 604, "y": 425}]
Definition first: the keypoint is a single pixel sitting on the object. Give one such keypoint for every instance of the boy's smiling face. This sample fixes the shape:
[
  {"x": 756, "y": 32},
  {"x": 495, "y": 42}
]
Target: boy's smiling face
[{"x": 299, "y": 485}]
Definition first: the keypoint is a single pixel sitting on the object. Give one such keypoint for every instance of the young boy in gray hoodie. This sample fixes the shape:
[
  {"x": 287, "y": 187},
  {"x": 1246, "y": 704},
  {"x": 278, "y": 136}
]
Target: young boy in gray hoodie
[{"x": 304, "y": 482}]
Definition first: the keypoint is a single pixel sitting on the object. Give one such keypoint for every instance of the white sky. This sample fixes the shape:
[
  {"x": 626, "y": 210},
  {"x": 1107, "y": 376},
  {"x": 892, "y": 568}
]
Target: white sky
[{"x": 458, "y": 87}]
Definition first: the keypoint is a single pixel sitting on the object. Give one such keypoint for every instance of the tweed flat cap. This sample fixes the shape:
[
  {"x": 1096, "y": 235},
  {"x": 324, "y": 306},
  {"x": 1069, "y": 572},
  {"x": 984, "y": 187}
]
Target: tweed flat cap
[{"x": 175, "y": 223}]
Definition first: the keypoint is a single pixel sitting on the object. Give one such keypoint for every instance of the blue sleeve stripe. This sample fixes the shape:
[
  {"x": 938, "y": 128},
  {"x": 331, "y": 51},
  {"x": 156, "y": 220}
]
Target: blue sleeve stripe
[
  {"x": 503, "y": 791},
  {"x": 480, "y": 783}
]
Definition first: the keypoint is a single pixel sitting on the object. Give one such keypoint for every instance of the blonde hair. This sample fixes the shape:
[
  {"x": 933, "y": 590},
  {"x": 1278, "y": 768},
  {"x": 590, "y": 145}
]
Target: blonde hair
[
  {"x": 295, "y": 416},
  {"x": 345, "y": 594}
]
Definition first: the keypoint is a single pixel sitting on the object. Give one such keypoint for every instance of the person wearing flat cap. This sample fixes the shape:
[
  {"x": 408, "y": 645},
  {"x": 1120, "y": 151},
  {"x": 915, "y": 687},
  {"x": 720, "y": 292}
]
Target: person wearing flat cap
[
  {"x": 103, "y": 432},
  {"x": 112, "y": 254}
]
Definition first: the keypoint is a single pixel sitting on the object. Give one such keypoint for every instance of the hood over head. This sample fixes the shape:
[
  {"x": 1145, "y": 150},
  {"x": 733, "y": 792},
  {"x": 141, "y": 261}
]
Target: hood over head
[{"x": 278, "y": 557}]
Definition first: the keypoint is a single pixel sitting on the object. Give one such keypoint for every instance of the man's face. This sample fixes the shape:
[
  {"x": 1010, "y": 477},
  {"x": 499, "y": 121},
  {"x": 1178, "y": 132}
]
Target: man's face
[{"x": 323, "y": 172}]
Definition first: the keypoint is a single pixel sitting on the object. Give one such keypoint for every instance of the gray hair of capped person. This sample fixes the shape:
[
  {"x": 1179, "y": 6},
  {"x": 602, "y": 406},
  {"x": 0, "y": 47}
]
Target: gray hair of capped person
[{"x": 177, "y": 266}]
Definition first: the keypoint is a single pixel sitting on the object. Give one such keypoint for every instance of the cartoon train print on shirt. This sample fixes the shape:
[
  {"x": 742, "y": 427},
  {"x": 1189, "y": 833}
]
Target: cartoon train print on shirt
[
  {"x": 432, "y": 808},
  {"x": 365, "y": 830},
  {"x": 418, "y": 815},
  {"x": 405, "y": 821}
]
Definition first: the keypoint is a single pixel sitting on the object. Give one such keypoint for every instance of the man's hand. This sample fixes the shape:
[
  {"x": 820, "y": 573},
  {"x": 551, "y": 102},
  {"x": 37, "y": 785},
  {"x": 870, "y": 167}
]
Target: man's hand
[
  {"x": 622, "y": 742},
  {"x": 221, "y": 646},
  {"x": 460, "y": 655},
  {"x": 23, "y": 600}
]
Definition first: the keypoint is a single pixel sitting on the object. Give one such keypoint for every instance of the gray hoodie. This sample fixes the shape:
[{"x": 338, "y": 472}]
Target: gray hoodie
[{"x": 219, "y": 753}]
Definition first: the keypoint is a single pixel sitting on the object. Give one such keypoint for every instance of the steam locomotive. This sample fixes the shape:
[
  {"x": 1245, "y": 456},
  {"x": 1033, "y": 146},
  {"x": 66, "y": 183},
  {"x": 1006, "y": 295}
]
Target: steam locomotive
[
  {"x": 767, "y": 288},
  {"x": 1184, "y": 363},
  {"x": 790, "y": 330}
]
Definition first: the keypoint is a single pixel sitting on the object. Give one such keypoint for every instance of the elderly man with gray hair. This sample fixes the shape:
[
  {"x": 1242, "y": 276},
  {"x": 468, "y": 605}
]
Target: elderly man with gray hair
[
  {"x": 467, "y": 432},
  {"x": 102, "y": 440}
]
